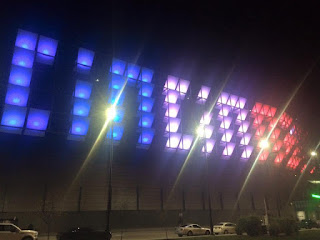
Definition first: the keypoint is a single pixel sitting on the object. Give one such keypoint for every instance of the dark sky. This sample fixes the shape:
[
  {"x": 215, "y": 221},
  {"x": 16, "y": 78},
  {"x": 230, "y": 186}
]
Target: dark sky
[{"x": 272, "y": 45}]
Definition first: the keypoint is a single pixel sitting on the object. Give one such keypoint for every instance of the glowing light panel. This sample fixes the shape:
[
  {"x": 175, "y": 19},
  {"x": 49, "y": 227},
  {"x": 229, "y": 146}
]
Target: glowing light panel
[
  {"x": 38, "y": 119},
  {"x": 146, "y": 89},
  {"x": 114, "y": 95},
  {"x": 117, "y": 82},
  {"x": 117, "y": 132},
  {"x": 247, "y": 151},
  {"x": 81, "y": 107},
  {"x": 146, "y": 75},
  {"x": 228, "y": 150},
  {"x": 206, "y": 118},
  {"x": 146, "y": 120},
  {"x": 186, "y": 142},
  {"x": 80, "y": 126},
  {"x": 13, "y": 116},
  {"x": 118, "y": 66},
  {"x": 203, "y": 93},
  {"x": 17, "y": 95},
  {"x": 227, "y": 136},
  {"x": 23, "y": 57},
  {"x": 146, "y": 104},
  {"x": 171, "y": 83},
  {"x": 172, "y": 110},
  {"x": 209, "y": 144},
  {"x": 173, "y": 140},
  {"x": 85, "y": 57},
  {"x": 83, "y": 89},
  {"x": 146, "y": 136},
  {"x": 173, "y": 125},
  {"x": 20, "y": 76},
  {"x": 26, "y": 40},
  {"x": 133, "y": 71},
  {"x": 47, "y": 46},
  {"x": 245, "y": 139},
  {"x": 183, "y": 86},
  {"x": 172, "y": 96}
]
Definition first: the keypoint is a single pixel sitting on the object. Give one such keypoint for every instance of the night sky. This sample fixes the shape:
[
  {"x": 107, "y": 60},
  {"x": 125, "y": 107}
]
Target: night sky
[{"x": 271, "y": 46}]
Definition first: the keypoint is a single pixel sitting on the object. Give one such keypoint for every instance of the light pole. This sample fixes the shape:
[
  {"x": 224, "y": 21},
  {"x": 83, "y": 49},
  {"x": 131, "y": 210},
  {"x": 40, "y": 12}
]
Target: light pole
[
  {"x": 110, "y": 115},
  {"x": 201, "y": 134},
  {"x": 264, "y": 144}
]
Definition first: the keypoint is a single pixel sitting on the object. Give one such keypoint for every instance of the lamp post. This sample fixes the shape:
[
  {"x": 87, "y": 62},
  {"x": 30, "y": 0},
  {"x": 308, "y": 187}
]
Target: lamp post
[
  {"x": 110, "y": 115},
  {"x": 264, "y": 144},
  {"x": 201, "y": 134}
]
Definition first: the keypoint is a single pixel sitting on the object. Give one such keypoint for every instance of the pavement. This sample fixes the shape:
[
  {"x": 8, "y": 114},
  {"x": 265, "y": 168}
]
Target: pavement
[{"x": 136, "y": 234}]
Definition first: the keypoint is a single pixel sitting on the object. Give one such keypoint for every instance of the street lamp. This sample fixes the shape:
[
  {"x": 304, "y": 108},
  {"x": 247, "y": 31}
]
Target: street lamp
[
  {"x": 110, "y": 115},
  {"x": 314, "y": 153},
  {"x": 264, "y": 144},
  {"x": 201, "y": 134}
]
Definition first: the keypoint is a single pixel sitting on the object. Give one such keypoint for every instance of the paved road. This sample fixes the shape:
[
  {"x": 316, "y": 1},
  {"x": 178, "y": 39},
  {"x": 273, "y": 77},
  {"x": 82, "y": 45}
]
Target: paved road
[{"x": 136, "y": 234}]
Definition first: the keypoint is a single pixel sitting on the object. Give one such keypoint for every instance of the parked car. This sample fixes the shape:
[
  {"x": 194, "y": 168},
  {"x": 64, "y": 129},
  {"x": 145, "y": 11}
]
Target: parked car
[
  {"x": 308, "y": 224},
  {"x": 9, "y": 231},
  {"x": 84, "y": 234},
  {"x": 224, "y": 228},
  {"x": 191, "y": 230}
]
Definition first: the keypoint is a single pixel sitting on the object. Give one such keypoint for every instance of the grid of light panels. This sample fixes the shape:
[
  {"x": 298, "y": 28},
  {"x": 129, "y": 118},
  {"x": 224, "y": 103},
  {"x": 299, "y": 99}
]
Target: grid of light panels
[
  {"x": 237, "y": 128},
  {"x": 175, "y": 90},
  {"x": 145, "y": 101},
  {"x": 17, "y": 114},
  {"x": 81, "y": 106}
]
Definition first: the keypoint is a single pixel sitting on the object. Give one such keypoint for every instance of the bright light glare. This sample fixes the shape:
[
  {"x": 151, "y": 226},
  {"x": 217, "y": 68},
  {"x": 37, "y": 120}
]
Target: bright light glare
[
  {"x": 111, "y": 113},
  {"x": 313, "y": 153},
  {"x": 200, "y": 131},
  {"x": 264, "y": 143},
  {"x": 315, "y": 196}
]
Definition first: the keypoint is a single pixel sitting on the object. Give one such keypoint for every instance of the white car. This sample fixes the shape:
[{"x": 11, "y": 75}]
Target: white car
[
  {"x": 191, "y": 230},
  {"x": 224, "y": 228},
  {"x": 9, "y": 231}
]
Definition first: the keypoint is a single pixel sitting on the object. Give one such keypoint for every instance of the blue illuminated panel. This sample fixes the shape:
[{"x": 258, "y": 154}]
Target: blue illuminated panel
[
  {"x": 118, "y": 66},
  {"x": 83, "y": 89},
  {"x": 13, "y": 116},
  {"x": 146, "y": 89},
  {"x": 80, "y": 126},
  {"x": 85, "y": 57},
  {"x": 38, "y": 119},
  {"x": 26, "y": 40},
  {"x": 17, "y": 95},
  {"x": 119, "y": 116},
  {"x": 47, "y": 46},
  {"x": 133, "y": 71},
  {"x": 117, "y": 132},
  {"x": 114, "y": 96},
  {"x": 146, "y": 136},
  {"x": 117, "y": 82},
  {"x": 146, "y": 104},
  {"x": 20, "y": 76},
  {"x": 23, "y": 57},
  {"x": 146, "y": 75},
  {"x": 146, "y": 120},
  {"x": 81, "y": 107}
]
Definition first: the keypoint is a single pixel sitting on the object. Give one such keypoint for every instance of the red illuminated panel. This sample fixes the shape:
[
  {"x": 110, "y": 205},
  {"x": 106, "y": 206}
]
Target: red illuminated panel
[
  {"x": 285, "y": 121},
  {"x": 264, "y": 155},
  {"x": 256, "y": 108},
  {"x": 272, "y": 112},
  {"x": 264, "y": 110},
  {"x": 258, "y": 120},
  {"x": 275, "y": 134},
  {"x": 288, "y": 149},
  {"x": 277, "y": 146},
  {"x": 293, "y": 162},
  {"x": 312, "y": 170},
  {"x": 272, "y": 123},
  {"x": 279, "y": 157},
  {"x": 296, "y": 151},
  {"x": 303, "y": 168},
  {"x": 260, "y": 131}
]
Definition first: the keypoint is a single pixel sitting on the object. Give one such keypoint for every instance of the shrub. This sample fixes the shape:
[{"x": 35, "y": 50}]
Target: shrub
[
  {"x": 241, "y": 226},
  {"x": 288, "y": 226},
  {"x": 274, "y": 228},
  {"x": 253, "y": 226}
]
